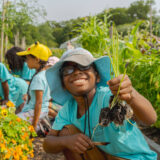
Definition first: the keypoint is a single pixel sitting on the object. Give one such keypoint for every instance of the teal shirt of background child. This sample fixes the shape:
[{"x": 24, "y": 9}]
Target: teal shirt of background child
[
  {"x": 17, "y": 86},
  {"x": 39, "y": 82},
  {"x": 126, "y": 141},
  {"x": 25, "y": 73}
]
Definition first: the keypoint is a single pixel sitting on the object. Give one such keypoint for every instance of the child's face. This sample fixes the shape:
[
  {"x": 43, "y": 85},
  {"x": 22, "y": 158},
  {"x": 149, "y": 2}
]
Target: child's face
[
  {"x": 79, "y": 81},
  {"x": 31, "y": 61}
]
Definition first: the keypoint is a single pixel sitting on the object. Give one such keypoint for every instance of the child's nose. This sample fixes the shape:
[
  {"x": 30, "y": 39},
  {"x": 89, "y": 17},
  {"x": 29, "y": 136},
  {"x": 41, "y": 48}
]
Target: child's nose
[{"x": 76, "y": 70}]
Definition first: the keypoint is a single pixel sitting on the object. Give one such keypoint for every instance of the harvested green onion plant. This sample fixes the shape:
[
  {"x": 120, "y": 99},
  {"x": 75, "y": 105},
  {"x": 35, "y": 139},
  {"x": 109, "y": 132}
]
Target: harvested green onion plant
[{"x": 118, "y": 110}]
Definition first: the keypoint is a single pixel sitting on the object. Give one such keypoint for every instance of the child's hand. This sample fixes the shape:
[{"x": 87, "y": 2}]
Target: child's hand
[
  {"x": 126, "y": 88},
  {"x": 78, "y": 143}
]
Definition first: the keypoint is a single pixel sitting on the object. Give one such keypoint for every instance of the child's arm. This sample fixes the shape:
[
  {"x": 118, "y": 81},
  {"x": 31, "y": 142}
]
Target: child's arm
[
  {"x": 5, "y": 91},
  {"x": 142, "y": 108},
  {"x": 78, "y": 143},
  {"x": 38, "y": 106}
]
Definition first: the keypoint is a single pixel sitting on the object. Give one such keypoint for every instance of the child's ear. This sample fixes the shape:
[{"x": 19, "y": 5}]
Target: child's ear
[{"x": 97, "y": 78}]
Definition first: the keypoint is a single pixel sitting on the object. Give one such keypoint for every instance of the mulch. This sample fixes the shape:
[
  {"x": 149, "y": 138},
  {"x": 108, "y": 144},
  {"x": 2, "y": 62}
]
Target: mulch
[{"x": 39, "y": 154}]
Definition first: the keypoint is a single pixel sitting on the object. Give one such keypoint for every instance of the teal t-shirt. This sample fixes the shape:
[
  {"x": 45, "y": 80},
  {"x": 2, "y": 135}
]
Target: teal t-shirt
[
  {"x": 39, "y": 82},
  {"x": 25, "y": 73},
  {"x": 17, "y": 86},
  {"x": 21, "y": 87},
  {"x": 125, "y": 141}
]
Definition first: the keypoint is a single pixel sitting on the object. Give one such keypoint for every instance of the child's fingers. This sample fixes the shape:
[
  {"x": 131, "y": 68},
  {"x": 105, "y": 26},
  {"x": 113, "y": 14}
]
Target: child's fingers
[
  {"x": 87, "y": 139},
  {"x": 113, "y": 81},
  {"x": 126, "y": 90},
  {"x": 125, "y": 97},
  {"x": 117, "y": 80},
  {"x": 123, "y": 92},
  {"x": 124, "y": 84},
  {"x": 81, "y": 148}
]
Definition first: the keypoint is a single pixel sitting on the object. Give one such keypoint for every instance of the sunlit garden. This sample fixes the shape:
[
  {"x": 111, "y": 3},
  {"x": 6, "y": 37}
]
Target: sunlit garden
[{"x": 129, "y": 36}]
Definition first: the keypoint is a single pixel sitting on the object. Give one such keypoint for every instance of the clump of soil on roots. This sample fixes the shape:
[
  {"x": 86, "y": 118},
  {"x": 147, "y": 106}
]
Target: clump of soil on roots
[{"x": 117, "y": 112}]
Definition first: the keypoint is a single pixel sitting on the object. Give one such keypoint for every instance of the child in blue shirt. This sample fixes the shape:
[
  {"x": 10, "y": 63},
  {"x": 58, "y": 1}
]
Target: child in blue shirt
[
  {"x": 17, "y": 64},
  {"x": 81, "y": 86},
  {"x": 11, "y": 88},
  {"x": 37, "y": 103}
]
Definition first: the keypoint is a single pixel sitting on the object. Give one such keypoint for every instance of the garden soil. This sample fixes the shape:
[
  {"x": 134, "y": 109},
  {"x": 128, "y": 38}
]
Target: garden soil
[{"x": 39, "y": 154}]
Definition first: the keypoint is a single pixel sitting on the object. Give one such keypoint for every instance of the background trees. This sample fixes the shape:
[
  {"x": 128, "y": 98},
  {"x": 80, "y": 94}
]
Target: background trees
[{"x": 22, "y": 27}]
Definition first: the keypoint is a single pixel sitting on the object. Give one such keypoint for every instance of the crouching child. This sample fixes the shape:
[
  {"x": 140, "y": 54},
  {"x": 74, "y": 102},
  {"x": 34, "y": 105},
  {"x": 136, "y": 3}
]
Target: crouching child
[{"x": 81, "y": 86}]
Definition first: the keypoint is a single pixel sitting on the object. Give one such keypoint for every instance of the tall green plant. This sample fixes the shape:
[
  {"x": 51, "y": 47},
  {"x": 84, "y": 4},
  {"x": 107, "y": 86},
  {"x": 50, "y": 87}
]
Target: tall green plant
[
  {"x": 144, "y": 74},
  {"x": 94, "y": 34}
]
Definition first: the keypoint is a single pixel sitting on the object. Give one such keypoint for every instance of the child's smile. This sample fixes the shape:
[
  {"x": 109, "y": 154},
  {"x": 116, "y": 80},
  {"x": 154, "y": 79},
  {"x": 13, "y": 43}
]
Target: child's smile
[{"x": 80, "y": 82}]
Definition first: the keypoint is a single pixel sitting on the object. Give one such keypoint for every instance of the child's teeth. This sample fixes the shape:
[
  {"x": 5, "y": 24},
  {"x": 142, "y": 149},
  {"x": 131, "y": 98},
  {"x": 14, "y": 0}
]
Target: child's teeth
[{"x": 79, "y": 81}]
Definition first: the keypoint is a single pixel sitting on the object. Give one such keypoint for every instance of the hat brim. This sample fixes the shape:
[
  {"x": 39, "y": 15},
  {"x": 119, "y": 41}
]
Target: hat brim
[
  {"x": 24, "y": 53},
  {"x": 59, "y": 94}
]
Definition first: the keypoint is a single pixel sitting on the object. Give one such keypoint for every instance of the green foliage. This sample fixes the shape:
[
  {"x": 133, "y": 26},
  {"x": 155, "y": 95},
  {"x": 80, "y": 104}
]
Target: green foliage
[
  {"x": 57, "y": 52},
  {"x": 124, "y": 29},
  {"x": 139, "y": 10},
  {"x": 66, "y": 30},
  {"x": 94, "y": 34},
  {"x": 144, "y": 74},
  {"x": 120, "y": 16},
  {"x": 19, "y": 15},
  {"x": 15, "y": 133},
  {"x": 46, "y": 37}
]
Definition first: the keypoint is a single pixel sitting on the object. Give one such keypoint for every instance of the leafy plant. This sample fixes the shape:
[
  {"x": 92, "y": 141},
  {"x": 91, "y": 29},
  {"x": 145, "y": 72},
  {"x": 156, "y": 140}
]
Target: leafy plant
[
  {"x": 94, "y": 34},
  {"x": 15, "y": 133},
  {"x": 57, "y": 52},
  {"x": 144, "y": 74}
]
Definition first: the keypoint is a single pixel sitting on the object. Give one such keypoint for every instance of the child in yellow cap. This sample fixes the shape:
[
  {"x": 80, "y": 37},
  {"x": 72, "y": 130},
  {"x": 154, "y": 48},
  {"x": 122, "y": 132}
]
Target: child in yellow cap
[{"x": 37, "y": 103}]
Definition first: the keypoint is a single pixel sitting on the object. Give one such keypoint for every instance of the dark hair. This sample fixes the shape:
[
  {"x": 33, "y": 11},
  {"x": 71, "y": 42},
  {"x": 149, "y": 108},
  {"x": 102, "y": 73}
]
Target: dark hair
[
  {"x": 15, "y": 62},
  {"x": 42, "y": 65}
]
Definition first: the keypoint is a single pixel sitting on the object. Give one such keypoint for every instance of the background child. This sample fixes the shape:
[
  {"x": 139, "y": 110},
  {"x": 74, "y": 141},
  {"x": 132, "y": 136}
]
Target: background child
[
  {"x": 17, "y": 64},
  {"x": 81, "y": 85},
  {"x": 11, "y": 88},
  {"x": 53, "y": 107},
  {"x": 51, "y": 61},
  {"x": 38, "y": 90}
]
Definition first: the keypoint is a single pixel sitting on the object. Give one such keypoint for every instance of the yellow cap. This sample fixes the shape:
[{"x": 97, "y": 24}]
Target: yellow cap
[{"x": 38, "y": 50}]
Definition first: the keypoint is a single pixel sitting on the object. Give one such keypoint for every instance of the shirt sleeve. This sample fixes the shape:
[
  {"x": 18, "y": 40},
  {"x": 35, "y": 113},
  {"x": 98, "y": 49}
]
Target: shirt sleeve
[
  {"x": 4, "y": 74},
  {"x": 62, "y": 119},
  {"x": 37, "y": 83}
]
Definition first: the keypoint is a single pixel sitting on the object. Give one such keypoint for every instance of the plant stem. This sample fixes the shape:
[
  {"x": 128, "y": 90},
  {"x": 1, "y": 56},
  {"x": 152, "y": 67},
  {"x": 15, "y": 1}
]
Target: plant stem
[
  {"x": 94, "y": 131},
  {"x": 115, "y": 99}
]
